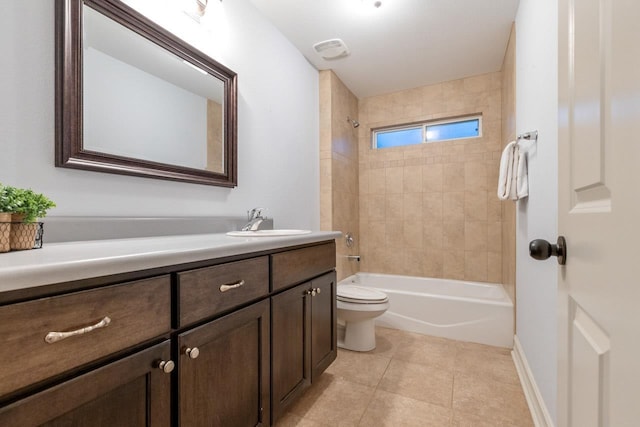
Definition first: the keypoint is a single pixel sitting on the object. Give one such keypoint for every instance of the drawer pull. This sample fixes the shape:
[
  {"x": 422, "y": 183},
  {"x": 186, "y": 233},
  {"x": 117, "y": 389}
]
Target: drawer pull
[
  {"x": 225, "y": 288},
  {"x": 59, "y": 336}
]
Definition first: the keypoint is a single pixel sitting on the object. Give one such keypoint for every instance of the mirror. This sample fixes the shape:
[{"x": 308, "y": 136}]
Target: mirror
[{"x": 131, "y": 98}]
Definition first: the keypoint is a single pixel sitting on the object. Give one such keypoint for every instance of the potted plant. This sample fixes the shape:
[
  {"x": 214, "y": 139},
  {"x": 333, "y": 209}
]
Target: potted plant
[
  {"x": 30, "y": 207},
  {"x": 9, "y": 203}
]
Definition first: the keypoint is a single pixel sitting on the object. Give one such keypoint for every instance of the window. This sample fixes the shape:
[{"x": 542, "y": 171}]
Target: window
[{"x": 467, "y": 127}]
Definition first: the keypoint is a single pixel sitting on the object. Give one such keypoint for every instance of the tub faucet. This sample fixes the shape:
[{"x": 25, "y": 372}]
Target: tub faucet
[{"x": 255, "y": 218}]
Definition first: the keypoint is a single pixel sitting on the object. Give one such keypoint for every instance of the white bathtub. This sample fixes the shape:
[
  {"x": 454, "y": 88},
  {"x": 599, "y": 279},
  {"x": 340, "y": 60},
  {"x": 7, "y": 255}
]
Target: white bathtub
[{"x": 464, "y": 311}]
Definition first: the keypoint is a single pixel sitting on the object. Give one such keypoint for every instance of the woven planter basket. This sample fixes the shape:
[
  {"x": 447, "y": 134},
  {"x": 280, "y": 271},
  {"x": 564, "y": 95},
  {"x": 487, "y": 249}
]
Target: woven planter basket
[
  {"x": 5, "y": 232},
  {"x": 23, "y": 234}
]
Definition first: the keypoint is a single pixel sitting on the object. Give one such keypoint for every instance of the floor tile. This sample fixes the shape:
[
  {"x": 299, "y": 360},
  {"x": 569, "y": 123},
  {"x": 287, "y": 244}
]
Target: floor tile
[
  {"x": 393, "y": 410},
  {"x": 425, "y": 350},
  {"x": 387, "y": 341},
  {"x": 334, "y": 401},
  {"x": 494, "y": 365},
  {"x": 420, "y": 382},
  {"x": 466, "y": 420},
  {"x": 415, "y": 380},
  {"x": 493, "y": 401},
  {"x": 292, "y": 420},
  {"x": 362, "y": 368}
]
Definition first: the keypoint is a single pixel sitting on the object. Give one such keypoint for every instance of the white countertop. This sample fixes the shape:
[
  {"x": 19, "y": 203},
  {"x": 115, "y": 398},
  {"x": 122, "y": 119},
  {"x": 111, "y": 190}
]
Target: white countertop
[{"x": 63, "y": 262}]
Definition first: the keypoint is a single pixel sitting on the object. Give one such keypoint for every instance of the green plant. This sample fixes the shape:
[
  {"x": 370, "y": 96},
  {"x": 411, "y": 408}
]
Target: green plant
[
  {"x": 32, "y": 205},
  {"x": 10, "y": 199}
]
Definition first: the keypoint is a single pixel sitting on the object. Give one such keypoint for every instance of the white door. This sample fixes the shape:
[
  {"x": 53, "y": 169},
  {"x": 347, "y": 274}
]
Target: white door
[{"x": 599, "y": 213}]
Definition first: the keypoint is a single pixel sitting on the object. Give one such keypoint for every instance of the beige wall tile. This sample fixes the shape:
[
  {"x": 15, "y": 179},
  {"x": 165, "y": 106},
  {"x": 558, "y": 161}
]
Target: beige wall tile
[
  {"x": 475, "y": 205},
  {"x": 431, "y": 191},
  {"x": 475, "y": 236},
  {"x": 394, "y": 231},
  {"x": 394, "y": 180},
  {"x": 376, "y": 205},
  {"x": 453, "y": 205},
  {"x": 453, "y": 177},
  {"x": 377, "y": 181},
  {"x": 432, "y": 206},
  {"x": 413, "y": 234},
  {"x": 412, "y": 178},
  {"x": 453, "y": 233},
  {"x": 413, "y": 207},
  {"x": 476, "y": 266},
  {"x": 453, "y": 264},
  {"x": 475, "y": 176},
  {"x": 494, "y": 267},
  {"x": 494, "y": 237},
  {"x": 413, "y": 262},
  {"x": 394, "y": 207},
  {"x": 433, "y": 262},
  {"x": 432, "y": 178},
  {"x": 433, "y": 234}
]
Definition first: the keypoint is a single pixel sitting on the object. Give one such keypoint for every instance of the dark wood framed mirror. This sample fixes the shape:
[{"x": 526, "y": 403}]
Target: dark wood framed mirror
[{"x": 133, "y": 99}]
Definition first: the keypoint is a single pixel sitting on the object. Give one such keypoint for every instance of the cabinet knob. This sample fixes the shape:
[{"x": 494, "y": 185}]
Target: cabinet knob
[
  {"x": 318, "y": 291},
  {"x": 193, "y": 353},
  {"x": 166, "y": 366}
]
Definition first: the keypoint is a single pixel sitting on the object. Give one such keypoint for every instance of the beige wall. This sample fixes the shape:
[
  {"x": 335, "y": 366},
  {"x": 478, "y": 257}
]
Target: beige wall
[
  {"x": 509, "y": 134},
  {"x": 339, "y": 167},
  {"x": 432, "y": 210}
]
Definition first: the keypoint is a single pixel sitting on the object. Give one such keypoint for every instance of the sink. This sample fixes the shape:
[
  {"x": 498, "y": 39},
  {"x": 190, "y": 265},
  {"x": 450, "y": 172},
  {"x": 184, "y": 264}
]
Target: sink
[{"x": 268, "y": 233}]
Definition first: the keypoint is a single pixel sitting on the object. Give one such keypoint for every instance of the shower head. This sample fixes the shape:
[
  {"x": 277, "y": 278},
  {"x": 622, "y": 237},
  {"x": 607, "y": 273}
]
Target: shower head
[{"x": 353, "y": 122}]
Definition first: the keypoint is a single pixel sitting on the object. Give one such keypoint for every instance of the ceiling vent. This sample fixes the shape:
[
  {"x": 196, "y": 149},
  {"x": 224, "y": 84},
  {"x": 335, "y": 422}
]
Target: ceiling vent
[{"x": 331, "y": 49}]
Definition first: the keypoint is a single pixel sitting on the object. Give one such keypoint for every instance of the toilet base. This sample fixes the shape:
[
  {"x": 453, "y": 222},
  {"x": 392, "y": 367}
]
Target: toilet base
[{"x": 357, "y": 335}]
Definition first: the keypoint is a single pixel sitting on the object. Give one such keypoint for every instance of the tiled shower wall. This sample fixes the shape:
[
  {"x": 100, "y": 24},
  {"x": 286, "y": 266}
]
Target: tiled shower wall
[
  {"x": 339, "y": 167},
  {"x": 432, "y": 209},
  {"x": 509, "y": 134}
]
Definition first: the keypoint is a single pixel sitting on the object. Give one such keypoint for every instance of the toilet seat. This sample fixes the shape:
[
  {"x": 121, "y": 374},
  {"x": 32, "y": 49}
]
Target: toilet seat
[{"x": 360, "y": 295}]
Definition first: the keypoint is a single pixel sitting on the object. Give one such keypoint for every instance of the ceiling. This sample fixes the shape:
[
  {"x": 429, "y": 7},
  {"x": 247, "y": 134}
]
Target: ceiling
[{"x": 402, "y": 44}]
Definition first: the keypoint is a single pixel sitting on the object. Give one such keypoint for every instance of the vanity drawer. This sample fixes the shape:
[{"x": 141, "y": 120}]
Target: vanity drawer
[
  {"x": 126, "y": 314},
  {"x": 207, "y": 291},
  {"x": 292, "y": 267}
]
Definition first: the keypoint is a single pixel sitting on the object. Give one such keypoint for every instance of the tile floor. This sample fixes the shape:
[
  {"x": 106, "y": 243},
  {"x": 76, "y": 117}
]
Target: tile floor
[{"x": 415, "y": 380}]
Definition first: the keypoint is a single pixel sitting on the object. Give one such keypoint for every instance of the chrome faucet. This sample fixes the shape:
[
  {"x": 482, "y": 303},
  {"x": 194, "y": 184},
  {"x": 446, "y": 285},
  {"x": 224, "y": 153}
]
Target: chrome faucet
[{"x": 255, "y": 218}]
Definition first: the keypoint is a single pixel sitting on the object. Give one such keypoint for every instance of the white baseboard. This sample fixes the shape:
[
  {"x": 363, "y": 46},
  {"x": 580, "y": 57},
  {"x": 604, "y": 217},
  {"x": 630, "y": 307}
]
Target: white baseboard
[{"x": 539, "y": 412}]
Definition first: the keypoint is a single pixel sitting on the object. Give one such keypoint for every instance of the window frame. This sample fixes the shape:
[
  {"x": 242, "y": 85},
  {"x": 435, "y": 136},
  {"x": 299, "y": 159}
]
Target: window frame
[{"x": 423, "y": 125}]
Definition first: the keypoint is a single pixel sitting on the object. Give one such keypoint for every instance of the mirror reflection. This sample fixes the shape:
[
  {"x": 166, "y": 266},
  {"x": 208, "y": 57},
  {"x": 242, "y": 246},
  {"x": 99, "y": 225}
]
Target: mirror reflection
[
  {"x": 139, "y": 101},
  {"x": 167, "y": 109}
]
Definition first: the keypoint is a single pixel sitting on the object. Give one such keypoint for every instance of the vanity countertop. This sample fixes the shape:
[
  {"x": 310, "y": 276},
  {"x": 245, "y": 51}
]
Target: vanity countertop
[{"x": 64, "y": 262}]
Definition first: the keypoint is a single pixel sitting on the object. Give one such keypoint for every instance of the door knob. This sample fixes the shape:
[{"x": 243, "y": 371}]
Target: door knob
[{"x": 541, "y": 249}]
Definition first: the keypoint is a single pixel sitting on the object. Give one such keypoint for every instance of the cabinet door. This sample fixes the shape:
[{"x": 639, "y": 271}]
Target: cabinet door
[
  {"x": 223, "y": 370},
  {"x": 130, "y": 392},
  {"x": 324, "y": 344},
  {"x": 291, "y": 344}
]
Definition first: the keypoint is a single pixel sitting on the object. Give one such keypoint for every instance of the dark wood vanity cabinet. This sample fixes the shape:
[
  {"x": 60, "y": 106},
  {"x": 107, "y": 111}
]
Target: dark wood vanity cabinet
[
  {"x": 131, "y": 392},
  {"x": 223, "y": 370},
  {"x": 212, "y": 345},
  {"x": 324, "y": 343},
  {"x": 303, "y": 338}
]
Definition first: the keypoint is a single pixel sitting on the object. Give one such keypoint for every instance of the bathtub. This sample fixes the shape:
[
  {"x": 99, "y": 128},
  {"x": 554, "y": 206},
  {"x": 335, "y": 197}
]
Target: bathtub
[{"x": 458, "y": 310}]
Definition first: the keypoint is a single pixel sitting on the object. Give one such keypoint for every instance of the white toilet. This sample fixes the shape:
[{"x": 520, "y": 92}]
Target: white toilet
[{"x": 357, "y": 309}]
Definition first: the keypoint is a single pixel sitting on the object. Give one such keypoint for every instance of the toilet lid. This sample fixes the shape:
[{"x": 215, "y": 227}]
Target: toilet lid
[{"x": 351, "y": 293}]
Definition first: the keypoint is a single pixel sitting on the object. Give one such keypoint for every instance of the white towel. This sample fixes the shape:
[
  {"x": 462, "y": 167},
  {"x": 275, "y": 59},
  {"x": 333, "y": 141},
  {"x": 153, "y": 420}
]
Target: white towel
[
  {"x": 522, "y": 180},
  {"x": 513, "y": 182},
  {"x": 506, "y": 171}
]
